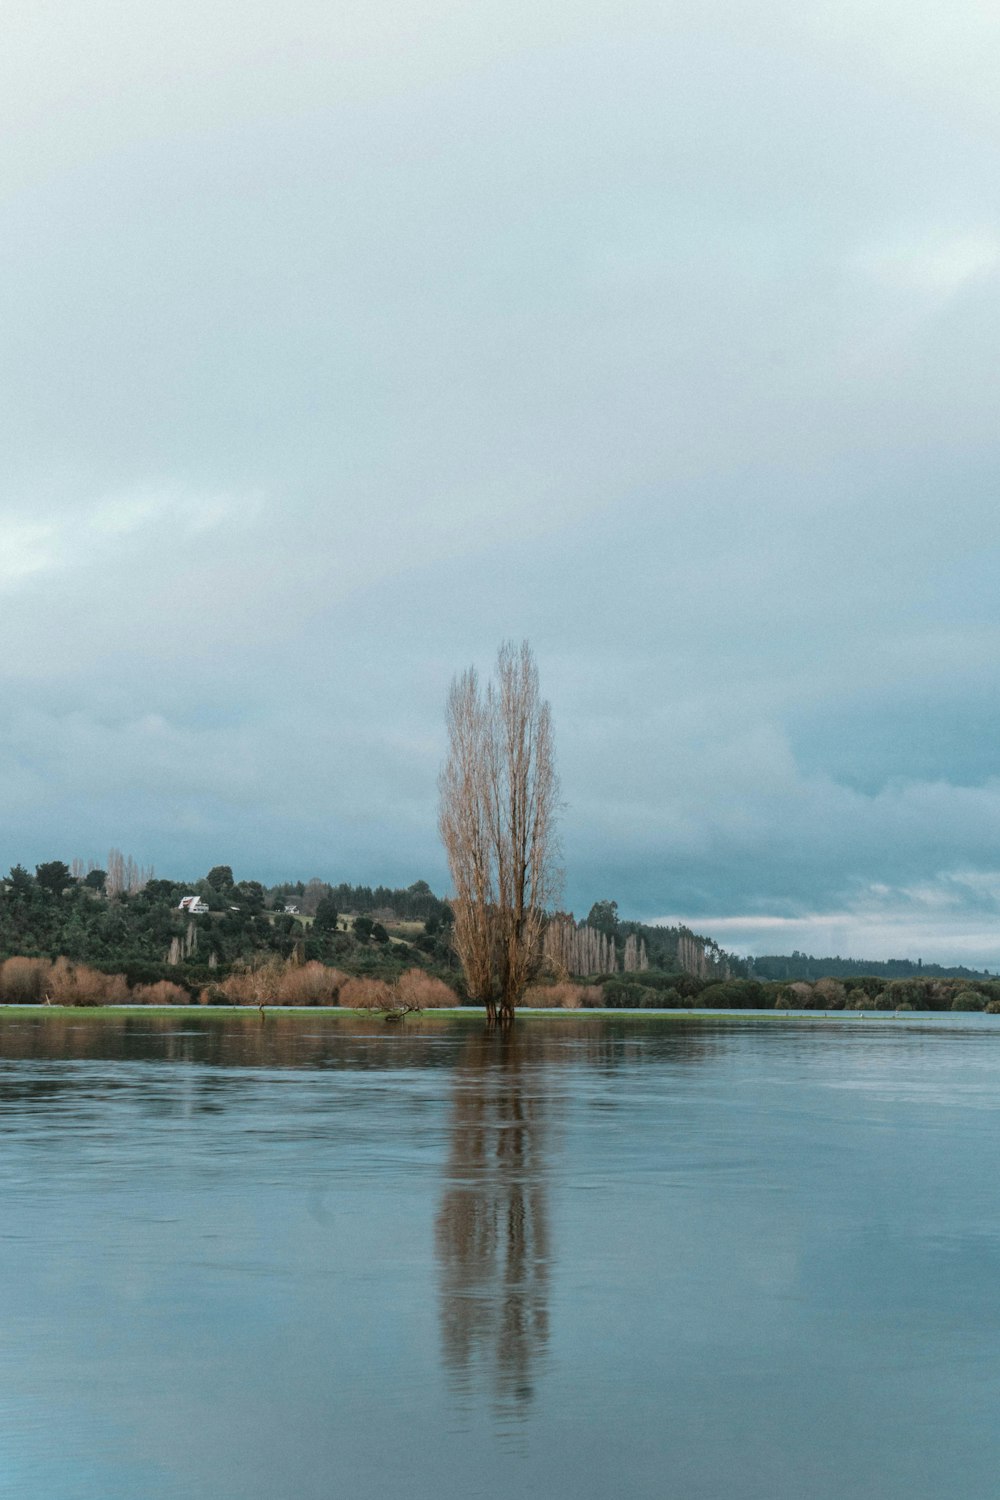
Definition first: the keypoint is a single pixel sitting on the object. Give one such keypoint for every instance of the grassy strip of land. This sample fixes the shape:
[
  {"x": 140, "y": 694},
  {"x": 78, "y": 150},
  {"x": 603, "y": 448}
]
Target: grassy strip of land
[{"x": 465, "y": 1012}]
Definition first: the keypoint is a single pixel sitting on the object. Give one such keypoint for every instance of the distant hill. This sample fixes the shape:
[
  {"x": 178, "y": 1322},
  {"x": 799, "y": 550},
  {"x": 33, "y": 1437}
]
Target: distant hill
[
  {"x": 124, "y": 920},
  {"x": 784, "y": 967}
]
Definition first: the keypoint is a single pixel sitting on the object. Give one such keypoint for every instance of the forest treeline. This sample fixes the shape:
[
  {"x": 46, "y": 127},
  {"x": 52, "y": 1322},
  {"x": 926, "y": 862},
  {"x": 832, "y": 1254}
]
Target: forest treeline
[
  {"x": 803, "y": 966},
  {"x": 86, "y": 936},
  {"x": 128, "y": 925},
  {"x": 865, "y": 992}
]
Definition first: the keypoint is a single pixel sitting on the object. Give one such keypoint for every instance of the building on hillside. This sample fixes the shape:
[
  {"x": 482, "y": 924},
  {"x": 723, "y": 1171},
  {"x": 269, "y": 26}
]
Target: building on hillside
[{"x": 193, "y": 904}]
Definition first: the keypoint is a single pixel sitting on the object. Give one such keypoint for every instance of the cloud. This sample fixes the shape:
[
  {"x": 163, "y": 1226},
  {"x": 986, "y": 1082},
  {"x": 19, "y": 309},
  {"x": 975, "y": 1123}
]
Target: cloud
[
  {"x": 342, "y": 343},
  {"x": 952, "y": 920},
  {"x": 27, "y": 549},
  {"x": 937, "y": 266}
]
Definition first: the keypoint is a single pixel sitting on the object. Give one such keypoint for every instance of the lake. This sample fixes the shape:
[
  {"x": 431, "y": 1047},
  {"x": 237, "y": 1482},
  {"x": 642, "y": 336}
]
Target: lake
[{"x": 320, "y": 1258}]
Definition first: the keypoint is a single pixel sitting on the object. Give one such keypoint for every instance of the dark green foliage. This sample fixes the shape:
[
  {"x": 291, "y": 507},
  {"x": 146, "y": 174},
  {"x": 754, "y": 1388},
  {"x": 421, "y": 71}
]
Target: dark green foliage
[
  {"x": 95, "y": 880},
  {"x": 249, "y": 893},
  {"x": 363, "y": 928},
  {"x": 730, "y": 995},
  {"x": 603, "y": 917},
  {"x": 621, "y": 996},
  {"x": 796, "y": 965},
  {"x": 415, "y": 903},
  {"x": 147, "y": 938},
  {"x": 865, "y": 986},
  {"x": 655, "y": 979},
  {"x": 160, "y": 890},
  {"x": 968, "y": 1000},
  {"x": 326, "y": 916},
  {"x": 628, "y": 994},
  {"x": 54, "y": 876}
]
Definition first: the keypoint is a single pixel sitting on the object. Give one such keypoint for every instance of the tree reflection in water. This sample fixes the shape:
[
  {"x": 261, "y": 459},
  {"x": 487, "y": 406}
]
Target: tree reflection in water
[{"x": 492, "y": 1227}]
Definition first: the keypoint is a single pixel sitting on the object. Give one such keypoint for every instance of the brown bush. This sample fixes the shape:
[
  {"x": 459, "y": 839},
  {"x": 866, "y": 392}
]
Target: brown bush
[
  {"x": 236, "y": 989},
  {"x": 565, "y": 996},
  {"x": 23, "y": 980},
  {"x": 309, "y": 984},
  {"x": 365, "y": 994},
  {"x": 252, "y": 984},
  {"x": 162, "y": 993},
  {"x": 77, "y": 984},
  {"x": 829, "y": 994},
  {"x": 420, "y": 989}
]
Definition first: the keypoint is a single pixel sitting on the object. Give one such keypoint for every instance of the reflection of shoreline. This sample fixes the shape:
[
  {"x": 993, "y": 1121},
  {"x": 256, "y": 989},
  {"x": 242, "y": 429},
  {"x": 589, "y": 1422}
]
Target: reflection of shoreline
[{"x": 492, "y": 1226}]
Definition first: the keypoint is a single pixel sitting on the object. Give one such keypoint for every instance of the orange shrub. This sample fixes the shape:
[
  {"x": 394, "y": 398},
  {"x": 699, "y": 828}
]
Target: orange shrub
[
  {"x": 309, "y": 984},
  {"x": 237, "y": 989},
  {"x": 362, "y": 994},
  {"x": 23, "y": 980},
  {"x": 416, "y": 987},
  {"x": 162, "y": 993},
  {"x": 829, "y": 994},
  {"x": 252, "y": 984},
  {"x": 565, "y": 996},
  {"x": 77, "y": 984}
]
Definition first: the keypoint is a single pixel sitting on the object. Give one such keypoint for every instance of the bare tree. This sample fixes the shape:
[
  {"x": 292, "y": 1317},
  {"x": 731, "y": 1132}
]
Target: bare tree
[
  {"x": 125, "y": 874},
  {"x": 572, "y": 948},
  {"x": 499, "y": 797}
]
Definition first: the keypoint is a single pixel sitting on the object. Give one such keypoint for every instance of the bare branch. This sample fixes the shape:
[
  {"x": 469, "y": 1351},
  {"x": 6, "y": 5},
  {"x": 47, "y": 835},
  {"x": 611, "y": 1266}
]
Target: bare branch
[{"x": 499, "y": 798}]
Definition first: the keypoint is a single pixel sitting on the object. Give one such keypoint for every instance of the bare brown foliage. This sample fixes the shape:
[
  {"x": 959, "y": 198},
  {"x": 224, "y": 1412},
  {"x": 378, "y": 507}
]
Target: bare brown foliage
[
  {"x": 125, "y": 874},
  {"x": 365, "y": 994},
  {"x": 22, "y": 980},
  {"x": 308, "y": 984},
  {"x": 275, "y": 982},
  {"x": 562, "y": 996},
  {"x": 572, "y": 948},
  {"x": 499, "y": 794},
  {"x": 634, "y": 958},
  {"x": 701, "y": 956},
  {"x": 161, "y": 993},
  {"x": 77, "y": 984},
  {"x": 423, "y": 991},
  {"x": 253, "y": 983},
  {"x": 829, "y": 994}
]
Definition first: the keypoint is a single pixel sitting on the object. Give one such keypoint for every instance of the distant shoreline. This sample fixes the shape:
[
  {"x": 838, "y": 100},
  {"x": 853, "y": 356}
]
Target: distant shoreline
[{"x": 474, "y": 1013}]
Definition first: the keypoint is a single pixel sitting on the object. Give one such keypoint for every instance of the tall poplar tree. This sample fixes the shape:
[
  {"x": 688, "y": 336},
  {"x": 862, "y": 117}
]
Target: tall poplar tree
[{"x": 499, "y": 799}]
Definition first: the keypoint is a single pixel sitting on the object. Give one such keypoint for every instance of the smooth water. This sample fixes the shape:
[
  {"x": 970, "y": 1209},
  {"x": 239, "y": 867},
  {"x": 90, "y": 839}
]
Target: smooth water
[{"x": 311, "y": 1258}]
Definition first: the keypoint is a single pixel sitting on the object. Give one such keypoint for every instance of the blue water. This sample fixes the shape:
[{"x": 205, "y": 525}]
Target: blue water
[{"x": 315, "y": 1257}]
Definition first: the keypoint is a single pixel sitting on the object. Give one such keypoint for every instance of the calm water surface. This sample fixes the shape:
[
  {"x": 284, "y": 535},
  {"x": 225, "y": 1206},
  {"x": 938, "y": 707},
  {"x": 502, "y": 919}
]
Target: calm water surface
[{"x": 315, "y": 1258}]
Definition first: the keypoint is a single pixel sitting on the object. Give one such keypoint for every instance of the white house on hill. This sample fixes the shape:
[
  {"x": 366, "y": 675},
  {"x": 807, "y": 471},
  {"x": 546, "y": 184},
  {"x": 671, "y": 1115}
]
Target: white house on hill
[{"x": 193, "y": 904}]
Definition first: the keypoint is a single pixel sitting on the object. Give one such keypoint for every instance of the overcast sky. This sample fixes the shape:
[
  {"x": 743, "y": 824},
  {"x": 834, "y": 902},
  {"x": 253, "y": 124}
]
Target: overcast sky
[{"x": 341, "y": 342}]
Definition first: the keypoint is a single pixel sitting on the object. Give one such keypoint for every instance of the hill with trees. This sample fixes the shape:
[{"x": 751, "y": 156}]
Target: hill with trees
[
  {"x": 87, "y": 936},
  {"x": 804, "y": 966},
  {"x": 143, "y": 934}
]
